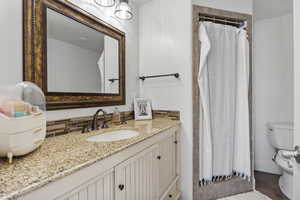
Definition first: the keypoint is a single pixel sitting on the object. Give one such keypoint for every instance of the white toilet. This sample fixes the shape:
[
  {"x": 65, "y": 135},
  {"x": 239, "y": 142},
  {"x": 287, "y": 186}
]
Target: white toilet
[{"x": 281, "y": 138}]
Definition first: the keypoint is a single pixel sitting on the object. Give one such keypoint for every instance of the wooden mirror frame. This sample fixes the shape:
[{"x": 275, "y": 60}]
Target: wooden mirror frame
[{"x": 35, "y": 54}]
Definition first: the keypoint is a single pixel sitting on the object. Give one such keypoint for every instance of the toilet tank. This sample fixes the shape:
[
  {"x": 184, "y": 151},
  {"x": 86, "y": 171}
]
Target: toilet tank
[{"x": 281, "y": 135}]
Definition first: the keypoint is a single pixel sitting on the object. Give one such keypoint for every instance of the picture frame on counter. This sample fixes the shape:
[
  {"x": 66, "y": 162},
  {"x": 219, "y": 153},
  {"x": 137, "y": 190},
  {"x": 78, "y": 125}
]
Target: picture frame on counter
[{"x": 142, "y": 109}]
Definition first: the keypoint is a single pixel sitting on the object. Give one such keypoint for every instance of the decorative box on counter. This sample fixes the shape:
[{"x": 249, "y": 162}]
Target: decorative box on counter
[{"x": 22, "y": 119}]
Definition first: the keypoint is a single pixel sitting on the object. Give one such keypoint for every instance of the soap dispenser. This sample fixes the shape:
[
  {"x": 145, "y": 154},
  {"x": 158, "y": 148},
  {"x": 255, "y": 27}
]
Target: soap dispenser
[{"x": 116, "y": 118}]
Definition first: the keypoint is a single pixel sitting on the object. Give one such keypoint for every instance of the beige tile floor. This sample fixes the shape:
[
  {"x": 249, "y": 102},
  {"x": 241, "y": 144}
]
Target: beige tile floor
[{"x": 248, "y": 196}]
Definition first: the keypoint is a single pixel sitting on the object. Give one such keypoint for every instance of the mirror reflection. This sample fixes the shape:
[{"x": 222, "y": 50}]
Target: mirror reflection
[{"x": 79, "y": 58}]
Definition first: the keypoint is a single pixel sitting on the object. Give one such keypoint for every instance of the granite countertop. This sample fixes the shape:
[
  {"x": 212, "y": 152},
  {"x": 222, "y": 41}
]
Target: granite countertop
[{"x": 62, "y": 155}]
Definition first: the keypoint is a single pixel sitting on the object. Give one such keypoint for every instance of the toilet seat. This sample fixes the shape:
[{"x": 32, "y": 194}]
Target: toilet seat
[{"x": 284, "y": 163}]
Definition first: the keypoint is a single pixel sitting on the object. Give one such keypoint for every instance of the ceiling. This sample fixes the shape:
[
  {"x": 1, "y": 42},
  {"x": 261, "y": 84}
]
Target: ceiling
[
  {"x": 264, "y": 9},
  {"x": 139, "y": 2}
]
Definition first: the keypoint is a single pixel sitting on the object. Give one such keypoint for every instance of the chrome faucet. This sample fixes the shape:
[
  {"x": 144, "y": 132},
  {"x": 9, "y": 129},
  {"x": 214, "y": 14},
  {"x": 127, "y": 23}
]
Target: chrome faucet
[{"x": 94, "y": 125}]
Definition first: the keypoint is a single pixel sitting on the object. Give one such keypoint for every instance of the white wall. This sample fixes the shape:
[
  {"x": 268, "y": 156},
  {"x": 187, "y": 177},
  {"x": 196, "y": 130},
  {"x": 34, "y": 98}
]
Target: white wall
[
  {"x": 68, "y": 65},
  {"x": 10, "y": 41},
  {"x": 242, "y": 6},
  {"x": 297, "y": 92},
  {"x": 11, "y": 51},
  {"x": 166, "y": 47},
  {"x": 273, "y": 83},
  {"x": 264, "y": 9}
]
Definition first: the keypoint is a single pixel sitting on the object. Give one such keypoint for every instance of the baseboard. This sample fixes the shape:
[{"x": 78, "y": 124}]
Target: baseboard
[
  {"x": 266, "y": 172},
  {"x": 267, "y": 167}
]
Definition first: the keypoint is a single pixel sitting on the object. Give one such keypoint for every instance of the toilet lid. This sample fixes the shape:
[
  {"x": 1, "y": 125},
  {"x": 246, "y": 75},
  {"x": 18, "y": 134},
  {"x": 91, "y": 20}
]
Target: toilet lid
[{"x": 281, "y": 125}]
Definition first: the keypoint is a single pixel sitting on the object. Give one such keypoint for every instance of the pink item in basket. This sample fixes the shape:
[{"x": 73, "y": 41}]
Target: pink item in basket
[
  {"x": 1, "y": 111},
  {"x": 6, "y": 107}
]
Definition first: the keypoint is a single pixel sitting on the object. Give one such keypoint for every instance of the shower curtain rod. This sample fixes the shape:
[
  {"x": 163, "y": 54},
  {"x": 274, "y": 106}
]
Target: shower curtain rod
[{"x": 235, "y": 22}]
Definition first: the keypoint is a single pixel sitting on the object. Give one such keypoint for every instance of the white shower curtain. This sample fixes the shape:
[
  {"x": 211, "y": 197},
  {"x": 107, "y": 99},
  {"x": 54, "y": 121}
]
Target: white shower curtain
[{"x": 224, "y": 84}]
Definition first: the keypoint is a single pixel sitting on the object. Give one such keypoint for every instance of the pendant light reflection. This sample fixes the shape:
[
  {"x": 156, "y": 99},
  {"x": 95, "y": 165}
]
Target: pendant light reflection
[
  {"x": 105, "y": 3},
  {"x": 123, "y": 10}
]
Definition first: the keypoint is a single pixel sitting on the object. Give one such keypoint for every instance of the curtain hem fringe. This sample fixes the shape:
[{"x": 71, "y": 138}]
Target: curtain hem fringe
[{"x": 218, "y": 179}]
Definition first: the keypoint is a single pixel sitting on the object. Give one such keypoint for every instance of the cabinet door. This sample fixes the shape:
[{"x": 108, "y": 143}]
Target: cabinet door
[
  {"x": 167, "y": 162},
  {"x": 137, "y": 178},
  {"x": 100, "y": 188}
]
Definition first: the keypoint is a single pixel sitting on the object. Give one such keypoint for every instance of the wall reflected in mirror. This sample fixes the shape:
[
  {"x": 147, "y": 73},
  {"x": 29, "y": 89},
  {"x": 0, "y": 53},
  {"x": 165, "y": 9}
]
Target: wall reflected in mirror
[{"x": 80, "y": 59}]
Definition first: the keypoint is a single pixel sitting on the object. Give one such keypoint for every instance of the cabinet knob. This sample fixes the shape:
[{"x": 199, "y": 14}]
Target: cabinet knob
[
  {"x": 158, "y": 157},
  {"x": 176, "y": 142},
  {"x": 121, "y": 187},
  {"x": 170, "y": 196}
]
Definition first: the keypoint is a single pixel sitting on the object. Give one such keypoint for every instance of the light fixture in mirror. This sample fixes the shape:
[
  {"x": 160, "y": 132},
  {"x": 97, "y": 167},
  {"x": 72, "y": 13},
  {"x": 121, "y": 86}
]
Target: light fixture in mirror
[
  {"x": 105, "y": 3},
  {"x": 123, "y": 10}
]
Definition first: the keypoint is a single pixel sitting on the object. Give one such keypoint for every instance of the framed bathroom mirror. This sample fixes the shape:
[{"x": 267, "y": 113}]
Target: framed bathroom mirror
[{"x": 77, "y": 60}]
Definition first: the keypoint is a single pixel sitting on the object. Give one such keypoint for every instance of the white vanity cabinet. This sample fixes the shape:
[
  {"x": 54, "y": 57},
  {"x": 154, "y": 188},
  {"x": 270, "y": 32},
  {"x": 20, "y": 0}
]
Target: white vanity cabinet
[
  {"x": 137, "y": 178},
  {"x": 147, "y": 170},
  {"x": 99, "y": 188},
  {"x": 169, "y": 187}
]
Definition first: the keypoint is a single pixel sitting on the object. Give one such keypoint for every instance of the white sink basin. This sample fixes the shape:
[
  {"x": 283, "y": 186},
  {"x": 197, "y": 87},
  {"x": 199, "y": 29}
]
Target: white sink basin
[{"x": 113, "y": 136}]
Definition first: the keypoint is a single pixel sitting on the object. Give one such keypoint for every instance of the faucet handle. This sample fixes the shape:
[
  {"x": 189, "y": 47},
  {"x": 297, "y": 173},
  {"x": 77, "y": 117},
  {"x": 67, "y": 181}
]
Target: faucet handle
[
  {"x": 104, "y": 124},
  {"x": 85, "y": 129}
]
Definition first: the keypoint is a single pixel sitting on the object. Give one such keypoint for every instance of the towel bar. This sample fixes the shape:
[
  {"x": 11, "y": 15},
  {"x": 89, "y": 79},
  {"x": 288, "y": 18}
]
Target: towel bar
[{"x": 176, "y": 75}]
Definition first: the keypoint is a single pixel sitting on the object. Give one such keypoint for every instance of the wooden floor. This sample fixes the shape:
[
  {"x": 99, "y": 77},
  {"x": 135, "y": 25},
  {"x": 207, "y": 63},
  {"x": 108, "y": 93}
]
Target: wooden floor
[{"x": 268, "y": 185}]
